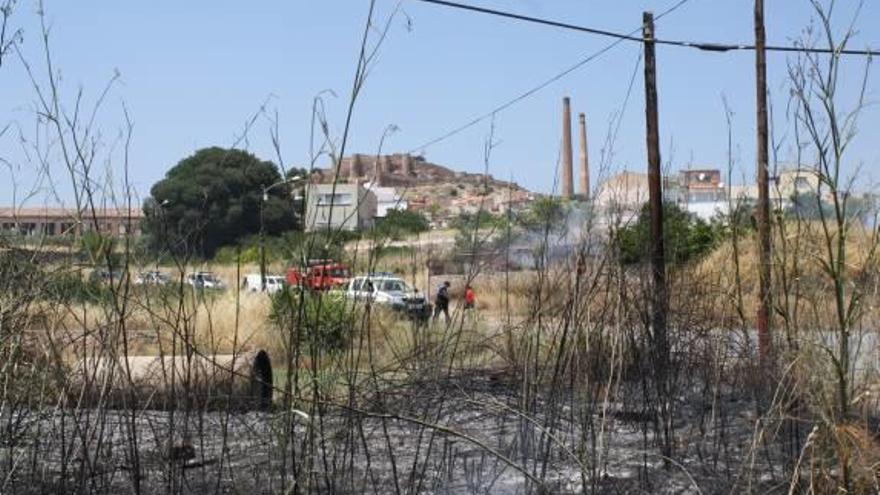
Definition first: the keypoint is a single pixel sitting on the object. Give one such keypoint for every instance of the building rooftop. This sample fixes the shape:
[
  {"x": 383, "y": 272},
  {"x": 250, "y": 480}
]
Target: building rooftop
[{"x": 59, "y": 212}]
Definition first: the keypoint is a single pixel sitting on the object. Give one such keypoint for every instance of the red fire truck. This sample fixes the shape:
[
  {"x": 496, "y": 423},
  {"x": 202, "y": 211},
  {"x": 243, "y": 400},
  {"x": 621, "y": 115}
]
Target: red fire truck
[{"x": 319, "y": 275}]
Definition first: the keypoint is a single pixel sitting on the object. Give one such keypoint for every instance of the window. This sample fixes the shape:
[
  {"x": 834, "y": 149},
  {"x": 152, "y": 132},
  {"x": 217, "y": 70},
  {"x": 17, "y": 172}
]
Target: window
[
  {"x": 338, "y": 199},
  {"x": 393, "y": 286},
  {"x": 801, "y": 184}
]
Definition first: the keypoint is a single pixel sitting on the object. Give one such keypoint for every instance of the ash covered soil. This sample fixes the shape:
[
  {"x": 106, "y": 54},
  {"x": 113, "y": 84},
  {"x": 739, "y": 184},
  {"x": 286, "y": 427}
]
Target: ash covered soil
[{"x": 467, "y": 434}]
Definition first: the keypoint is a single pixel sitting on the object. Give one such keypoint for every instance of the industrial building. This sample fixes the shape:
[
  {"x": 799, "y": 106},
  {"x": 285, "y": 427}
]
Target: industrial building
[{"x": 40, "y": 221}]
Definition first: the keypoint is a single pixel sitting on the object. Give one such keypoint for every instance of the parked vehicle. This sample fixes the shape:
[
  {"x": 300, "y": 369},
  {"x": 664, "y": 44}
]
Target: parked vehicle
[
  {"x": 205, "y": 280},
  {"x": 390, "y": 291},
  {"x": 252, "y": 282},
  {"x": 319, "y": 275},
  {"x": 153, "y": 277},
  {"x": 106, "y": 276},
  {"x": 275, "y": 283}
]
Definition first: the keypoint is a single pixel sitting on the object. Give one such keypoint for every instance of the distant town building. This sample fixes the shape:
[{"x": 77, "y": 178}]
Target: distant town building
[
  {"x": 700, "y": 191},
  {"x": 387, "y": 199},
  {"x": 741, "y": 193},
  {"x": 625, "y": 190},
  {"x": 703, "y": 193},
  {"x": 39, "y": 221},
  {"x": 343, "y": 206},
  {"x": 702, "y": 186},
  {"x": 785, "y": 185},
  {"x": 624, "y": 194},
  {"x": 791, "y": 182}
]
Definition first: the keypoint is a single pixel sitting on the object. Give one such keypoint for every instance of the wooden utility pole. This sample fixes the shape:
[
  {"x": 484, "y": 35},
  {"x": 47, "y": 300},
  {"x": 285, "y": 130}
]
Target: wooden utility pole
[
  {"x": 660, "y": 345},
  {"x": 763, "y": 212}
]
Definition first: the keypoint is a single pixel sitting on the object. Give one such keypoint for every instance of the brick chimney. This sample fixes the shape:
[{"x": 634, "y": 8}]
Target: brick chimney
[
  {"x": 567, "y": 165},
  {"x": 584, "y": 160}
]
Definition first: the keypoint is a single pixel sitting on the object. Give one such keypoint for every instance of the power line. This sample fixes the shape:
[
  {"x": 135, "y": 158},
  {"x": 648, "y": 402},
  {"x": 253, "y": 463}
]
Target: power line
[
  {"x": 539, "y": 87},
  {"x": 699, "y": 45}
]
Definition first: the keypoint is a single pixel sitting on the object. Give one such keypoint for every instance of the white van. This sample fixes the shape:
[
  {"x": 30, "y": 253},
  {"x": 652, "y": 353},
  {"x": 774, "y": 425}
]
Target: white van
[{"x": 252, "y": 283}]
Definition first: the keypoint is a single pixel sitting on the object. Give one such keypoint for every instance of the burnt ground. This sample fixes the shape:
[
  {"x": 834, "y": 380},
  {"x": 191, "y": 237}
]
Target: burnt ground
[{"x": 485, "y": 438}]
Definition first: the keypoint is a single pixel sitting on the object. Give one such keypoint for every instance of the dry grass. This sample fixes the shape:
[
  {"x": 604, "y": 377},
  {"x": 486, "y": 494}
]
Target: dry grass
[
  {"x": 802, "y": 249},
  {"x": 798, "y": 269}
]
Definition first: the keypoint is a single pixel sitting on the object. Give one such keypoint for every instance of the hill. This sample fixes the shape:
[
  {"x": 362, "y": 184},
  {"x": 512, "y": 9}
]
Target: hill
[{"x": 432, "y": 187}]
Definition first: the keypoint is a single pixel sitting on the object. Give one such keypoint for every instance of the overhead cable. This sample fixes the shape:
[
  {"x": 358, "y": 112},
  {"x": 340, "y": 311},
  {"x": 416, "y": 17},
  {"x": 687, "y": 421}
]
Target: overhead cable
[
  {"x": 699, "y": 45},
  {"x": 540, "y": 86}
]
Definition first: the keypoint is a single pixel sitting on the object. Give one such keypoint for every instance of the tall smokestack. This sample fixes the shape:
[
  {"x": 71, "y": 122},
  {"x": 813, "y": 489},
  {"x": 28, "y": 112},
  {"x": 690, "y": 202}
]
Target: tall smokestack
[
  {"x": 567, "y": 181},
  {"x": 584, "y": 159}
]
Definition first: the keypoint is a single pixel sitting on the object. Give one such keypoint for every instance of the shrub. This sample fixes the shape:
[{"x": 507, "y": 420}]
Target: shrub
[
  {"x": 322, "y": 321},
  {"x": 686, "y": 237},
  {"x": 398, "y": 223},
  {"x": 98, "y": 248},
  {"x": 69, "y": 287},
  {"x": 392, "y": 251}
]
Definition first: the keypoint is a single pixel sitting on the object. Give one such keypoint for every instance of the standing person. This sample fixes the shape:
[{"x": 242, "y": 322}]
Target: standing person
[
  {"x": 441, "y": 301},
  {"x": 469, "y": 297}
]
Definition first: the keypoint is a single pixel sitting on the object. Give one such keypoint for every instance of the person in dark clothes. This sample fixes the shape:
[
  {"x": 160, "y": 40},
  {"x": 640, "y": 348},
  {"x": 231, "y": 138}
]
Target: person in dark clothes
[{"x": 441, "y": 302}]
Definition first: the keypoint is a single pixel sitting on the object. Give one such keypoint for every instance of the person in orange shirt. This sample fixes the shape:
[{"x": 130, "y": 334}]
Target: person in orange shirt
[{"x": 469, "y": 297}]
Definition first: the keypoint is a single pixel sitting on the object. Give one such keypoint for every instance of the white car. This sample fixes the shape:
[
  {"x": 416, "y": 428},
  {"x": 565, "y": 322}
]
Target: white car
[
  {"x": 390, "y": 291},
  {"x": 153, "y": 277},
  {"x": 205, "y": 280},
  {"x": 252, "y": 283}
]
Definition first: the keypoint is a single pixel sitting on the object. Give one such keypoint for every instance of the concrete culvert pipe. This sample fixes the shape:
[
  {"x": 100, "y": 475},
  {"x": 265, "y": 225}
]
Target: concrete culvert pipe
[{"x": 239, "y": 381}]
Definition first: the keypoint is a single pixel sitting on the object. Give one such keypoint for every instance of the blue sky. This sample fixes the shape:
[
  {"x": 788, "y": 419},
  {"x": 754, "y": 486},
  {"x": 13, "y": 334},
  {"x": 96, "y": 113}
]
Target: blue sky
[{"x": 193, "y": 72}]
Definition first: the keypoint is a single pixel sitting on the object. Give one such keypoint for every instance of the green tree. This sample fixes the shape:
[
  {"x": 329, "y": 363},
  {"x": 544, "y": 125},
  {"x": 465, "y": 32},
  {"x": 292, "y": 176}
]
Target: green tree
[
  {"x": 98, "y": 247},
  {"x": 809, "y": 206},
  {"x": 686, "y": 237},
  {"x": 479, "y": 232},
  {"x": 547, "y": 212},
  {"x": 296, "y": 172},
  {"x": 398, "y": 223},
  {"x": 213, "y": 199},
  {"x": 481, "y": 219}
]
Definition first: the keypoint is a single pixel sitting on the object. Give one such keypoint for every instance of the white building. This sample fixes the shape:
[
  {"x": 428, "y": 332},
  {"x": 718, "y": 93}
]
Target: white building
[
  {"x": 699, "y": 191},
  {"x": 703, "y": 193},
  {"x": 387, "y": 199},
  {"x": 620, "y": 197},
  {"x": 340, "y": 206}
]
